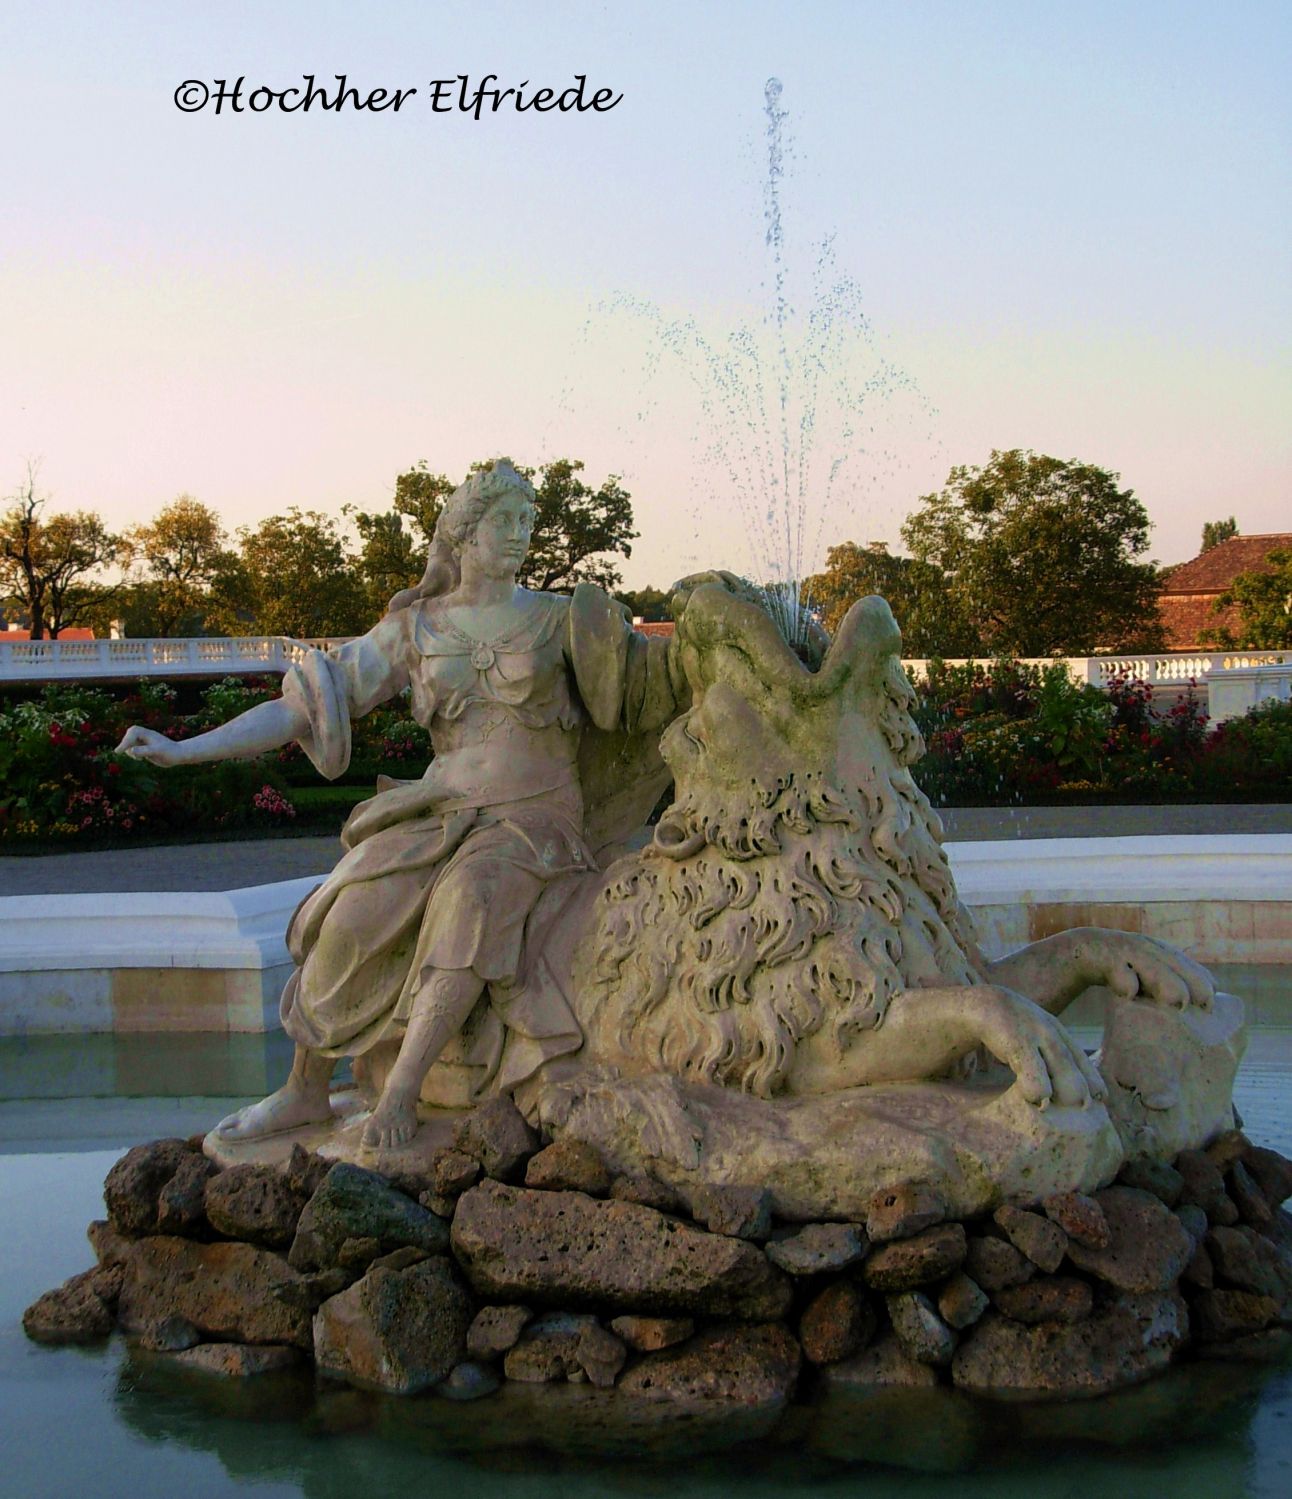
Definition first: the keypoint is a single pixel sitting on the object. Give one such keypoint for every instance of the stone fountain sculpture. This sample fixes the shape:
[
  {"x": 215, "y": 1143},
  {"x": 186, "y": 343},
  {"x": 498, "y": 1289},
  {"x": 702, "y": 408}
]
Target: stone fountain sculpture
[{"x": 776, "y": 985}]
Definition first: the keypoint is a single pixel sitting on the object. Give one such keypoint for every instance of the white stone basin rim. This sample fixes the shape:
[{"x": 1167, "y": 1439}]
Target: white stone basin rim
[
  {"x": 1035, "y": 871},
  {"x": 246, "y": 928},
  {"x": 172, "y": 929}
]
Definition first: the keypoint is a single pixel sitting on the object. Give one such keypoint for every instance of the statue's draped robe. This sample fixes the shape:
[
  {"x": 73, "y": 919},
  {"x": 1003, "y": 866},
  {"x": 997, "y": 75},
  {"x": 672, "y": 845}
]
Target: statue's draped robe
[{"x": 431, "y": 882}]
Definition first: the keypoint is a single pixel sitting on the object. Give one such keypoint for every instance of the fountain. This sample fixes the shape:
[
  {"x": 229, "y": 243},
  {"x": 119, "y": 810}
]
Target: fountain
[{"x": 697, "y": 1111}]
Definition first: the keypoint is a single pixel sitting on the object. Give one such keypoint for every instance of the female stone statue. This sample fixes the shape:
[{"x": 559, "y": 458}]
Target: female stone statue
[{"x": 427, "y": 910}]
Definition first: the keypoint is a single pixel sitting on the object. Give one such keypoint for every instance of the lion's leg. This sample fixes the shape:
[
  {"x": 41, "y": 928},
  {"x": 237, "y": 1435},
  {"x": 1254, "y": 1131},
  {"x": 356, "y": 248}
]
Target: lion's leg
[
  {"x": 924, "y": 1032},
  {"x": 1053, "y": 972}
]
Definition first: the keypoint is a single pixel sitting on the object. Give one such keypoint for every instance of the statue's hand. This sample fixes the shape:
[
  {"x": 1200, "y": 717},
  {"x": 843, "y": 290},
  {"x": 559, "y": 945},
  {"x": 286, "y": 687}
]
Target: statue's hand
[
  {"x": 146, "y": 744},
  {"x": 1047, "y": 1063},
  {"x": 1138, "y": 967}
]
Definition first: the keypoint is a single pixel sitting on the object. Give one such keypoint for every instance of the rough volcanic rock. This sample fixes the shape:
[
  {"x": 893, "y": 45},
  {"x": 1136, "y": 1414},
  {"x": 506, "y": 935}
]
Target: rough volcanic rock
[
  {"x": 1272, "y": 1173},
  {"x": 356, "y": 1255},
  {"x": 169, "y": 1335},
  {"x": 647, "y": 1193},
  {"x": 306, "y": 1171},
  {"x": 78, "y": 1311},
  {"x": 650, "y": 1334},
  {"x": 237, "y": 1360},
  {"x": 1248, "y": 1260},
  {"x": 884, "y": 1364},
  {"x": 1080, "y": 1217},
  {"x": 181, "y": 1203},
  {"x": 1229, "y": 1146},
  {"x": 356, "y": 1204},
  {"x": 924, "y": 1335},
  {"x": 1204, "y": 1184},
  {"x": 255, "y": 1203},
  {"x": 1222, "y": 1314},
  {"x": 1147, "y": 1248},
  {"x": 742, "y": 1212},
  {"x": 1057, "y": 1298},
  {"x": 994, "y": 1264},
  {"x": 1043, "y": 1242},
  {"x": 601, "y": 1355},
  {"x": 496, "y": 1135},
  {"x": 468, "y": 1381},
  {"x": 453, "y": 1171},
  {"x": 495, "y": 1330},
  {"x": 567, "y": 1249},
  {"x": 397, "y": 1330},
  {"x": 1248, "y": 1198},
  {"x": 231, "y": 1292},
  {"x": 1122, "y": 1343},
  {"x": 837, "y": 1323},
  {"x": 961, "y": 1302},
  {"x": 569, "y": 1165},
  {"x": 133, "y": 1185},
  {"x": 750, "y": 1366},
  {"x": 1199, "y": 1273},
  {"x": 1158, "y": 1177},
  {"x": 110, "y": 1247},
  {"x": 818, "y": 1248},
  {"x": 548, "y": 1348},
  {"x": 904, "y": 1264},
  {"x": 902, "y": 1211},
  {"x": 1193, "y": 1220}
]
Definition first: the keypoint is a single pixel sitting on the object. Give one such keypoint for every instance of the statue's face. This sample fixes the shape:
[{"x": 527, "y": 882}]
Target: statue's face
[{"x": 501, "y": 538}]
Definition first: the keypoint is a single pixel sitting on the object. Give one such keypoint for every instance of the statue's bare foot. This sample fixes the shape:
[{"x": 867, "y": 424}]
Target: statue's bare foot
[
  {"x": 293, "y": 1106},
  {"x": 393, "y": 1123}
]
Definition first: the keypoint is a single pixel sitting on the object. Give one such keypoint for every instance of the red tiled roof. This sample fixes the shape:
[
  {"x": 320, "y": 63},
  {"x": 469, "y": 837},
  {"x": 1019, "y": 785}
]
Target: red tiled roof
[
  {"x": 1185, "y": 616},
  {"x": 655, "y": 627},
  {"x": 1218, "y": 566},
  {"x": 73, "y": 632}
]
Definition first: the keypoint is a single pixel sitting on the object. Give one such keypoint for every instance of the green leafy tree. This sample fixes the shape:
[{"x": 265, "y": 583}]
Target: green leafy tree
[
  {"x": 1040, "y": 555},
  {"x": 917, "y": 593},
  {"x": 293, "y": 574},
  {"x": 178, "y": 554},
  {"x": 390, "y": 558},
  {"x": 1263, "y": 601},
  {"x": 1216, "y": 531},
  {"x": 51, "y": 565},
  {"x": 650, "y": 604},
  {"x": 420, "y": 496}
]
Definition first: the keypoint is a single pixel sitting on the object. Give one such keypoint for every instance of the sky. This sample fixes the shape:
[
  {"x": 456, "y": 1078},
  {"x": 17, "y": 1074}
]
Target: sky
[{"x": 1057, "y": 227}]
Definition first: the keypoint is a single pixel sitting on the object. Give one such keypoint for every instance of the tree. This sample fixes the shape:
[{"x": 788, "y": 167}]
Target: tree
[
  {"x": 916, "y": 592},
  {"x": 1040, "y": 555},
  {"x": 48, "y": 564},
  {"x": 389, "y": 558},
  {"x": 291, "y": 575},
  {"x": 181, "y": 551},
  {"x": 578, "y": 530},
  {"x": 1263, "y": 601},
  {"x": 650, "y": 604},
  {"x": 1216, "y": 531}
]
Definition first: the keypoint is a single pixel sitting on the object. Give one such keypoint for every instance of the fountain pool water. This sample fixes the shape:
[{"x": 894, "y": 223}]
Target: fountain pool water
[{"x": 110, "y": 1421}]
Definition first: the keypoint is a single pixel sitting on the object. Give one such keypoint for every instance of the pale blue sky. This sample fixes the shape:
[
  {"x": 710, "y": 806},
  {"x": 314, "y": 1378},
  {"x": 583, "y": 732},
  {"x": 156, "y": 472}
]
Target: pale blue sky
[{"x": 1068, "y": 225}]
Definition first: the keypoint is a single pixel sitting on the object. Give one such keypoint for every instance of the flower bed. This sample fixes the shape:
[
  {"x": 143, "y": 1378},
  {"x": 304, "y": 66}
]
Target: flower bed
[
  {"x": 1005, "y": 733},
  {"x": 62, "y": 783}
]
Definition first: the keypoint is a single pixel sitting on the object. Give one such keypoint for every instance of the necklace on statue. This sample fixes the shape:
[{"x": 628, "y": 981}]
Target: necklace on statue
[{"x": 483, "y": 652}]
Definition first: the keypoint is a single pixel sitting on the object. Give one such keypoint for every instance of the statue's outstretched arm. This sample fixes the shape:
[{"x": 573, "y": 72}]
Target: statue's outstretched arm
[{"x": 265, "y": 727}]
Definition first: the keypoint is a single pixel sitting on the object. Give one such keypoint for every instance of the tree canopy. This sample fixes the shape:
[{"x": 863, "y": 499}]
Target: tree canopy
[
  {"x": 1040, "y": 555},
  {"x": 178, "y": 555},
  {"x": 1263, "y": 602},
  {"x": 51, "y": 565},
  {"x": 1216, "y": 531},
  {"x": 293, "y": 574},
  {"x": 917, "y": 593}
]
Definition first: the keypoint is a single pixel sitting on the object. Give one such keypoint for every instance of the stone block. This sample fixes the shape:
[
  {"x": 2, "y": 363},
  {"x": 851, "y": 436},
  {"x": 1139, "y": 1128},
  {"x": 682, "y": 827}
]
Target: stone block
[
  {"x": 1148, "y": 1246},
  {"x": 904, "y": 1264},
  {"x": 838, "y": 1322}
]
